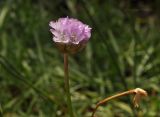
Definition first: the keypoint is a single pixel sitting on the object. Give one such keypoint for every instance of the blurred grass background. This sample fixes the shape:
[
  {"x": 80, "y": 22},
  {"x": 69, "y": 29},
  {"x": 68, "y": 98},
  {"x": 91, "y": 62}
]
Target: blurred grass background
[{"x": 123, "y": 53}]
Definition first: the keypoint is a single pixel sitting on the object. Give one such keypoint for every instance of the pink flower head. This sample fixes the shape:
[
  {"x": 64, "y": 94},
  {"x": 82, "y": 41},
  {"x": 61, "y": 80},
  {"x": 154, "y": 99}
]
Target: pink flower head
[{"x": 70, "y": 34}]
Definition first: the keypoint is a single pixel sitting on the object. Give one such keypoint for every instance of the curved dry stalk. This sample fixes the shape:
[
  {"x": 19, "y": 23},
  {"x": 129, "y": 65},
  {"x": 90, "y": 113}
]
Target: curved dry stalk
[{"x": 139, "y": 93}]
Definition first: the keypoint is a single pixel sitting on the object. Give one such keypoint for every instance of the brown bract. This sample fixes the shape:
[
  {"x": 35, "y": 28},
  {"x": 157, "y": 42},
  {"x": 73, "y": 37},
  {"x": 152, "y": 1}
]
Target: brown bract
[{"x": 70, "y": 48}]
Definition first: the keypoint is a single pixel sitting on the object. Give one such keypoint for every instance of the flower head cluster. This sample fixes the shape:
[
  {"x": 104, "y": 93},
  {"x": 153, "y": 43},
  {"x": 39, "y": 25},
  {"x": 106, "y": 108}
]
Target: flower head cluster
[{"x": 69, "y": 34}]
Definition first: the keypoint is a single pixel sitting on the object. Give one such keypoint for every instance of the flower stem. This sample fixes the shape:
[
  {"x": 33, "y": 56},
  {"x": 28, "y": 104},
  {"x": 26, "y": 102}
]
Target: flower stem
[{"x": 67, "y": 85}]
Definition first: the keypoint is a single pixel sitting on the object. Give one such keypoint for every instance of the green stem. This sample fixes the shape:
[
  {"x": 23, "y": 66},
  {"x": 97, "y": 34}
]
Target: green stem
[{"x": 67, "y": 86}]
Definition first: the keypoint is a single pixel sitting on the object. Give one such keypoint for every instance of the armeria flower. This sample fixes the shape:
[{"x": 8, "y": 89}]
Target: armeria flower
[{"x": 70, "y": 35}]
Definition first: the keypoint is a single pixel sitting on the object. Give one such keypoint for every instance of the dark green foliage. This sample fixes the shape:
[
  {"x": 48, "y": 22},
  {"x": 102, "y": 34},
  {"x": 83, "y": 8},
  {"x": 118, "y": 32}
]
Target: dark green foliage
[{"x": 123, "y": 53}]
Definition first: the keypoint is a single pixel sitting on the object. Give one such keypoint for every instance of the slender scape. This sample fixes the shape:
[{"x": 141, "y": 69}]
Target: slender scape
[
  {"x": 67, "y": 85},
  {"x": 139, "y": 93}
]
